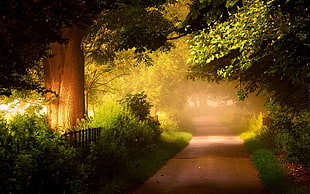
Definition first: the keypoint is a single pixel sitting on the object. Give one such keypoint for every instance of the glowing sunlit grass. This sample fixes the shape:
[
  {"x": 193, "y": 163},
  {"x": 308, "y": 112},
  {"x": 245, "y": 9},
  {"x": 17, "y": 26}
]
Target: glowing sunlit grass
[
  {"x": 173, "y": 136},
  {"x": 269, "y": 168},
  {"x": 247, "y": 135}
]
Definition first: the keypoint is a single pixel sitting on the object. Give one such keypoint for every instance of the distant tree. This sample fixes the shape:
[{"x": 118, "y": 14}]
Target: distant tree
[{"x": 164, "y": 81}]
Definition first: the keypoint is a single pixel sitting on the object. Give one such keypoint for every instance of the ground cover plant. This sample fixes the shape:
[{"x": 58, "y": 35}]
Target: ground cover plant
[{"x": 36, "y": 160}]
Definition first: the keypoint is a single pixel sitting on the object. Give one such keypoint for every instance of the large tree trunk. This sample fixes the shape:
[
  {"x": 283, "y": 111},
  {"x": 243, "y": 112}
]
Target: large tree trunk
[{"x": 64, "y": 77}]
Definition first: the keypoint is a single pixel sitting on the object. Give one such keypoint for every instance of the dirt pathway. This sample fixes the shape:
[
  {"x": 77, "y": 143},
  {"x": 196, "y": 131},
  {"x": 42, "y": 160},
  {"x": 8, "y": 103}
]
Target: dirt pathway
[{"x": 215, "y": 161}]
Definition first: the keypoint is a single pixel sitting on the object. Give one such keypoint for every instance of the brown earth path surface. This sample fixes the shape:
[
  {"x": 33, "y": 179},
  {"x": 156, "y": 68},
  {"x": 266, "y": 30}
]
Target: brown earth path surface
[{"x": 215, "y": 161}]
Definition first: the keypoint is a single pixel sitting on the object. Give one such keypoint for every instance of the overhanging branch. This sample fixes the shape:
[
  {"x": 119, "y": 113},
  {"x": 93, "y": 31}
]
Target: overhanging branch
[{"x": 176, "y": 37}]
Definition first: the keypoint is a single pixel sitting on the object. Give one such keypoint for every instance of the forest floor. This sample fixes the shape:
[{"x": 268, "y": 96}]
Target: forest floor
[
  {"x": 296, "y": 173},
  {"x": 215, "y": 161}
]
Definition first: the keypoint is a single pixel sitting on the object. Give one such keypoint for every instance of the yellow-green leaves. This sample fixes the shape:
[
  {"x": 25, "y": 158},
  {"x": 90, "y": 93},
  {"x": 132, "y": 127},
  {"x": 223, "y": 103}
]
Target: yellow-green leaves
[{"x": 243, "y": 32}]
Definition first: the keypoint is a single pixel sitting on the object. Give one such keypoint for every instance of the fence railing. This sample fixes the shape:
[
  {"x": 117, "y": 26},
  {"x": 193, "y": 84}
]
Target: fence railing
[{"x": 82, "y": 138}]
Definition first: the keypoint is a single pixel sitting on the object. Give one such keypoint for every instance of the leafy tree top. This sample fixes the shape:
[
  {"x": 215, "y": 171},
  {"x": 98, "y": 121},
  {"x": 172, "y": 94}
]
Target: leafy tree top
[
  {"x": 264, "y": 46},
  {"x": 28, "y": 27}
]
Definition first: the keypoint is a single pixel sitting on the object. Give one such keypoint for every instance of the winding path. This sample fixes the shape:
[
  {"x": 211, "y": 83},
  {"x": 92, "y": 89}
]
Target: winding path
[{"x": 215, "y": 161}]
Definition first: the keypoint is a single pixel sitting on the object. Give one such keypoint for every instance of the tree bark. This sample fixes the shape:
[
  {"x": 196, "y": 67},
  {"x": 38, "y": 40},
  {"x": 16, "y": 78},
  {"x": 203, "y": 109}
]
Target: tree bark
[{"x": 64, "y": 78}]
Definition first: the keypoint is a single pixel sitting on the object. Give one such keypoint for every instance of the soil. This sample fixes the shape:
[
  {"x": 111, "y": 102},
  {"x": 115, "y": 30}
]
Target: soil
[
  {"x": 215, "y": 161},
  {"x": 296, "y": 172}
]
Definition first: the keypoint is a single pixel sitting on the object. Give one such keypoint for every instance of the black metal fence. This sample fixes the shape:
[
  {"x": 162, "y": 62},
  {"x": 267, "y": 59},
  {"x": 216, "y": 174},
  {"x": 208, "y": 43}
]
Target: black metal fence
[{"x": 82, "y": 138}]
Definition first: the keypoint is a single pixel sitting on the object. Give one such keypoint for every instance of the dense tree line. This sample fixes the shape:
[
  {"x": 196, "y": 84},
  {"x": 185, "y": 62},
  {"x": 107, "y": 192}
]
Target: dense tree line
[{"x": 258, "y": 43}]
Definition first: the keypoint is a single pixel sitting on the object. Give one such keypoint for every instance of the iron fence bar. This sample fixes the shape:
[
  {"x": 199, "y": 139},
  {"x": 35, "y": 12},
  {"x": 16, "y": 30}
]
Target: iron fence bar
[{"x": 82, "y": 138}]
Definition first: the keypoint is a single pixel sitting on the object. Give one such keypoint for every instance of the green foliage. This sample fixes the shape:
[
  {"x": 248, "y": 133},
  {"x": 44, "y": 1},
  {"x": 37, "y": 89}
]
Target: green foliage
[
  {"x": 105, "y": 114},
  {"x": 263, "y": 44},
  {"x": 290, "y": 135},
  {"x": 242, "y": 94},
  {"x": 254, "y": 123},
  {"x": 139, "y": 171},
  {"x": 132, "y": 26},
  {"x": 204, "y": 13},
  {"x": 36, "y": 160},
  {"x": 164, "y": 82},
  {"x": 25, "y": 41},
  {"x": 169, "y": 124},
  {"x": 127, "y": 134},
  {"x": 236, "y": 40},
  {"x": 137, "y": 105},
  {"x": 263, "y": 157},
  {"x": 270, "y": 170}
]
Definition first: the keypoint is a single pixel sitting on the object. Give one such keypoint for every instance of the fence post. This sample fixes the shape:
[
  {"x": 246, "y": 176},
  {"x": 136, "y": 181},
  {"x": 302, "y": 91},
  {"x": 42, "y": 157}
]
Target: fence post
[{"x": 82, "y": 138}]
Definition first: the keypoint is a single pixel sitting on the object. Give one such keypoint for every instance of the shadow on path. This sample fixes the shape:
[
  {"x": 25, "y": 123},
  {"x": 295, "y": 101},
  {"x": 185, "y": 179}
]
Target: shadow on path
[{"x": 215, "y": 161}]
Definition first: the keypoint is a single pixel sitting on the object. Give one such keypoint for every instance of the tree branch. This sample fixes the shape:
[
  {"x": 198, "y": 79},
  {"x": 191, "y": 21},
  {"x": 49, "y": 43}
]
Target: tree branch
[{"x": 177, "y": 37}]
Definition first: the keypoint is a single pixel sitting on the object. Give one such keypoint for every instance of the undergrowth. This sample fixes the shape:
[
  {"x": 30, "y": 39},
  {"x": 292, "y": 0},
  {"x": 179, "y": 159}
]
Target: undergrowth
[
  {"x": 34, "y": 159},
  {"x": 263, "y": 155},
  {"x": 139, "y": 171},
  {"x": 132, "y": 146}
]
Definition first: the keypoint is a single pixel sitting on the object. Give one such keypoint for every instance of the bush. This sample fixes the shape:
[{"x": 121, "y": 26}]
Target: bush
[
  {"x": 124, "y": 138},
  {"x": 137, "y": 105},
  {"x": 36, "y": 160},
  {"x": 290, "y": 135},
  {"x": 169, "y": 124},
  {"x": 293, "y": 139}
]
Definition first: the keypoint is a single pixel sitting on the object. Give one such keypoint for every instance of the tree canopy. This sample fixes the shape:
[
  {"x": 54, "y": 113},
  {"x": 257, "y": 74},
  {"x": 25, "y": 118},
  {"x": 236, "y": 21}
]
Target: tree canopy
[
  {"x": 28, "y": 28},
  {"x": 265, "y": 46},
  {"x": 55, "y": 30}
]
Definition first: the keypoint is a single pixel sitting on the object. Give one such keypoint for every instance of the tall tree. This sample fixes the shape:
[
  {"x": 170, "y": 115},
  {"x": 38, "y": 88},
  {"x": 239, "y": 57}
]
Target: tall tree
[
  {"x": 64, "y": 77},
  {"x": 30, "y": 28}
]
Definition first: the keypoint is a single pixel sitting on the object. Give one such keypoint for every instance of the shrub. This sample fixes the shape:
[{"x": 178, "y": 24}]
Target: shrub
[
  {"x": 124, "y": 138},
  {"x": 168, "y": 124},
  {"x": 290, "y": 135},
  {"x": 105, "y": 114},
  {"x": 36, "y": 160},
  {"x": 255, "y": 122},
  {"x": 293, "y": 138},
  {"x": 137, "y": 105}
]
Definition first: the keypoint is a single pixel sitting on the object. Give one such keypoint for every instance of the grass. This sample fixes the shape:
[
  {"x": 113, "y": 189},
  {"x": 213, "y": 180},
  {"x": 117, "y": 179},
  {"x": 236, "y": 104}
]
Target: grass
[
  {"x": 171, "y": 143},
  {"x": 270, "y": 170}
]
